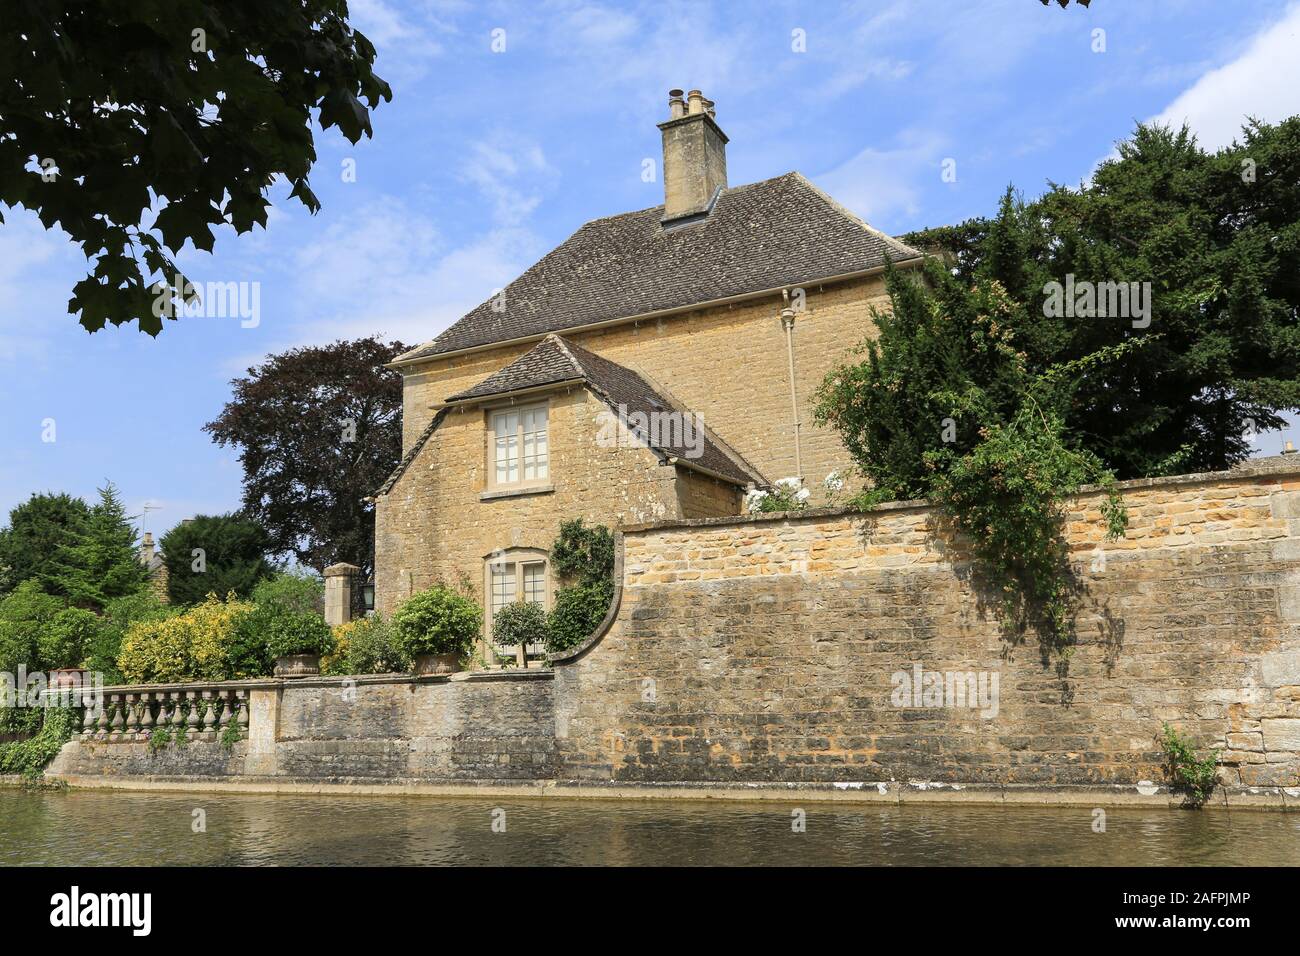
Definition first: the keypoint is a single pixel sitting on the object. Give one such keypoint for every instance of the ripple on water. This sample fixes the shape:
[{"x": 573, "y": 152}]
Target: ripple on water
[{"x": 121, "y": 828}]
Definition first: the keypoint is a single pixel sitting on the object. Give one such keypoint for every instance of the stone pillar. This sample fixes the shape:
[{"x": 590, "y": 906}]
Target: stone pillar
[
  {"x": 263, "y": 731},
  {"x": 339, "y": 581}
]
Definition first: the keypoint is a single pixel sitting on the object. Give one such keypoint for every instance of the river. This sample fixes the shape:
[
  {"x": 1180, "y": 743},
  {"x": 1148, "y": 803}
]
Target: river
[{"x": 89, "y": 828}]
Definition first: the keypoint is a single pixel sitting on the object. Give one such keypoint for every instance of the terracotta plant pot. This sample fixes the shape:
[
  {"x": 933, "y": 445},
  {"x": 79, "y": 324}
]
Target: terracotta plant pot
[
  {"x": 68, "y": 677},
  {"x": 298, "y": 665},
  {"x": 437, "y": 663}
]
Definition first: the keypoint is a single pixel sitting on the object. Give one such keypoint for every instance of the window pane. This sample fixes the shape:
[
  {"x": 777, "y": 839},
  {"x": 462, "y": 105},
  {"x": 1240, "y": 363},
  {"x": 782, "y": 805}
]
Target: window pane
[
  {"x": 503, "y": 586},
  {"x": 534, "y": 450},
  {"x": 535, "y": 583},
  {"x": 505, "y": 447}
]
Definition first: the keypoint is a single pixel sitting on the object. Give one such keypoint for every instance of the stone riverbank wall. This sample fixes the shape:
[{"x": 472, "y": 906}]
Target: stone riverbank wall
[{"x": 769, "y": 654}]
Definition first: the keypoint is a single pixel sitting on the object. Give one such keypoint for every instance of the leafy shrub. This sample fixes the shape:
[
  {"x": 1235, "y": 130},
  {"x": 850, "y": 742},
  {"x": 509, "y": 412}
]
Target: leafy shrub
[
  {"x": 521, "y": 623},
  {"x": 119, "y": 615},
  {"x": 366, "y": 645},
  {"x": 29, "y": 757},
  {"x": 194, "y": 645},
  {"x": 1196, "y": 777},
  {"x": 25, "y": 615},
  {"x": 250, "y": 656},
  {"x": 292, "y": 590},
  {"x": 63, "y": 642},
  {"x": 291, "y": 632},
  {"x": 584, "y": 558},
  {"x": 581, "y": 554},
  {"x": 440, "y": 620},
  {"x": 577, "y": 611}
]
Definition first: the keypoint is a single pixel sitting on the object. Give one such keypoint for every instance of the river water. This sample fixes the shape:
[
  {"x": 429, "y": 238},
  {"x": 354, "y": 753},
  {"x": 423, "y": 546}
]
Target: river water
[{"x": 88, "y": 828}]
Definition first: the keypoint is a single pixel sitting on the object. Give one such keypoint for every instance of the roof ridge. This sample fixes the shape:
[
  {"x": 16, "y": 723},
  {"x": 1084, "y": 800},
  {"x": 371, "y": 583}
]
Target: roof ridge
[{"x": 566, "y": 347}]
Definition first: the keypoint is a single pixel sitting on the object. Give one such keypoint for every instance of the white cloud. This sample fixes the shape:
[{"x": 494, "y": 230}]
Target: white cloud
[
  {"x": 511, "y": 175},
  {"x": 403, "y": 47},
  {"x": 38, "y": 268},
  {"x": 1264, "y": 81},
  {"x": 882, "y": 185},
  {"x": 387, "y": 270}
]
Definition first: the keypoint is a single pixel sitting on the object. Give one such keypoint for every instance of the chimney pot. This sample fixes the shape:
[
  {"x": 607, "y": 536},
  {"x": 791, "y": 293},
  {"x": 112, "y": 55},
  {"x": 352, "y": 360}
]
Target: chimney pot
[
  {"x": 676, "y": 105},
  {"x": 696, "y": 99}
]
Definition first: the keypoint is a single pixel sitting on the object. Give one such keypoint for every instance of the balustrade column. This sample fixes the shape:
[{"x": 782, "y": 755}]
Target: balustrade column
[
  {"x": 102, "y": 724},
  {"x": 146, "y": 715},
  {"x": 242, "y": 719},
  {"x": 192, "y": 718},
  {"x": 119, "y": 717},
  {"x": 178, "y": 713},
  {"x": 209, "y": 715}
]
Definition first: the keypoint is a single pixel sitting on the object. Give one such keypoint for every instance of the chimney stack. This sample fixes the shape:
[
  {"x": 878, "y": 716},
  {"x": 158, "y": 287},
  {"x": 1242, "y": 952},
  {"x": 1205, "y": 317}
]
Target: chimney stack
[
  {"x": 146, "y": 549},
  {"x": 695, "y": 157}
]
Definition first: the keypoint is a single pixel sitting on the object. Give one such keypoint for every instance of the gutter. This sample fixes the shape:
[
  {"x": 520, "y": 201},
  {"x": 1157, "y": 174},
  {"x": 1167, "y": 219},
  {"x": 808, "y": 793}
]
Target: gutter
[
  {"x": 691, "y": 466},
  {"x": 660, "y": 313}
]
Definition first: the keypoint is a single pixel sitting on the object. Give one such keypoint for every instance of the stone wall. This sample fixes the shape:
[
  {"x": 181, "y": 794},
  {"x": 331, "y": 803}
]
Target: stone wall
[
  {"x": 767, "y": 649},
  {"x": 485, "y": 727},
  {"x": 772, "y": 651}
]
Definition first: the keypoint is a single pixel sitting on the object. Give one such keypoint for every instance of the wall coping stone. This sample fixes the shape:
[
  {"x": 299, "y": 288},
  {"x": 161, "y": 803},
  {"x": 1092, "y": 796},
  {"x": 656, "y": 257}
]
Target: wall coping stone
[
  {"x": 276, "y": 683},
  {"x": 1276, "y": 466}
]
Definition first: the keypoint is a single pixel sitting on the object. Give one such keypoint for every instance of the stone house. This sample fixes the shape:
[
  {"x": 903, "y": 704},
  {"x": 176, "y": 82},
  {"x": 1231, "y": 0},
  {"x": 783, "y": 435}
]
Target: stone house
[{"x": 652, "y": 366}]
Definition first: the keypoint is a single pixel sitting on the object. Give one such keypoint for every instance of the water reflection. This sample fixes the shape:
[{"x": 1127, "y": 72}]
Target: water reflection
[{"x": 100, "y": 827}]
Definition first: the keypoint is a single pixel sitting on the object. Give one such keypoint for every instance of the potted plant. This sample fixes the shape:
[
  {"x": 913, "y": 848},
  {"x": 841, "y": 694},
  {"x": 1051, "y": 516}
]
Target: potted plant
[
  {"x": 436, "y": 629},
  {"x": 297, "y": 639},
  {"x": 521, "y": 624}
]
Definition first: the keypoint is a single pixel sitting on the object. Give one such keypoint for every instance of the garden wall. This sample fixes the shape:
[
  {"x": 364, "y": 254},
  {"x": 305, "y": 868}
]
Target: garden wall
[
  {"x": 775, "y": 651},
  {"x": 768, "y": 649}
]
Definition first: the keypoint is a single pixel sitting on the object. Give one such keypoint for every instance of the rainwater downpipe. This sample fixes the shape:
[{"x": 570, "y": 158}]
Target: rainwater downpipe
[{"x": 787, "y": 321}]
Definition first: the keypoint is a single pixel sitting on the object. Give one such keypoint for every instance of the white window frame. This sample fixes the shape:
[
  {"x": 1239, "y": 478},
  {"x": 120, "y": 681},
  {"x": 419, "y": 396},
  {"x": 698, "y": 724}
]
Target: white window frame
[{"x": 519, "y": 439}]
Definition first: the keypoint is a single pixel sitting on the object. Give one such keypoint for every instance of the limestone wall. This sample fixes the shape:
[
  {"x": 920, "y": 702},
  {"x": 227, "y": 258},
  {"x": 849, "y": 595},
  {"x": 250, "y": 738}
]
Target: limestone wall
[
  {"x": 769, "y": 651},
  {"x": 393, "y": 728},
  {"x": 760, "y": 650}
]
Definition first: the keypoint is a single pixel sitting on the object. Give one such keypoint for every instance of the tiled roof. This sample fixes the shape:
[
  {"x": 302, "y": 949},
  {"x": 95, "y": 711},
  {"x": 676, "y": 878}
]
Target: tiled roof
[
  {"x": 556, "y": 360},
  {"x": 546, "y": 364},
  {"x": 767, "y": 235}
]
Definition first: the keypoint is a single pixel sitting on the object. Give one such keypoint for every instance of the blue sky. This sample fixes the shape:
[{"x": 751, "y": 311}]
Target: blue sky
[{"x": 484, "y": 160}]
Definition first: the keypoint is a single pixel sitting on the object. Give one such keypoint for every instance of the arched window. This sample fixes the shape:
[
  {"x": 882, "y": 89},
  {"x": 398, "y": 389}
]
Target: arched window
[{"x": 514, "y": 574}]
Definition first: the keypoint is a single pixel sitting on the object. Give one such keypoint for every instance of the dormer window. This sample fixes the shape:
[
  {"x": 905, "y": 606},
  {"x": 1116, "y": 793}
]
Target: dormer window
[{"x": 518, "y": 447}]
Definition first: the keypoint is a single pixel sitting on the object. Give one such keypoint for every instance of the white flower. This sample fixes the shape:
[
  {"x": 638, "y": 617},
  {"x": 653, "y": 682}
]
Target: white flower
[
  {"x": 789, "y": 484},
  {"x": 754, "y": 500},
  {"x": 834, "y": 482},
  {"x": 803, "y": 495}
]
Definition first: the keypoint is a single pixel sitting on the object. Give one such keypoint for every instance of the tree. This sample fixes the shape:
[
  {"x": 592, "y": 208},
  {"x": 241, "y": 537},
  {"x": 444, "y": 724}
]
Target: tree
[
  {"x": 100, "y": 561},
  {"x": 1212, "y": 240},
  {"x": 319, "y": 429},
  {"x": 110, "y": 112},
  {"x": 214, "y": 554},
  {"x": 945, "y": 407},
  {"x": 31, "y": 548}
]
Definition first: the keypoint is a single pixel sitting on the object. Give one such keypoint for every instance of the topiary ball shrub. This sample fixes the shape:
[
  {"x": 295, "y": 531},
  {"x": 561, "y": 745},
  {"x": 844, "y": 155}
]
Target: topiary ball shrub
[
  {"x": 297, "y": 632},
  {"x": 521, "y": 623},
  {"x": 440, "y": 620}
]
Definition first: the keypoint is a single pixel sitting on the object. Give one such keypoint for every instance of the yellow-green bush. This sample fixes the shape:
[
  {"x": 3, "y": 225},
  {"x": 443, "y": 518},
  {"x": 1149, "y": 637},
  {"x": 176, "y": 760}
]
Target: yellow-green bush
[{"x": 191, "y": 646}]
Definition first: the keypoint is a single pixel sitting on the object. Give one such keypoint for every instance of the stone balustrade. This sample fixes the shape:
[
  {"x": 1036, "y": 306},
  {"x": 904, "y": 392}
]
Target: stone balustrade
[{"x": 202, "y": 711}]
